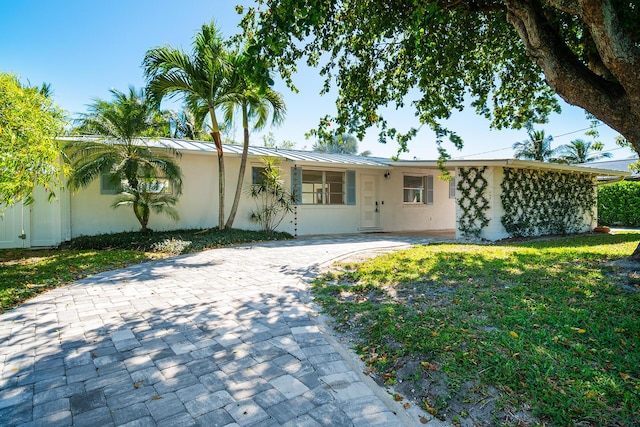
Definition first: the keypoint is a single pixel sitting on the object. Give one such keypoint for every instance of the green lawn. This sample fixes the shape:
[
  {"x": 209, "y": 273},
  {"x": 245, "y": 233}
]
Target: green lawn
[
  {"x": 27, "y": 273},
  {"x": 544, "y": 328}
]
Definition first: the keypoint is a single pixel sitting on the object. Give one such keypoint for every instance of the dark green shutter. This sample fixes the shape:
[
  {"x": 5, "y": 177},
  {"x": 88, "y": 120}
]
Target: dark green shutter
[{"x": 351, "y": 187}]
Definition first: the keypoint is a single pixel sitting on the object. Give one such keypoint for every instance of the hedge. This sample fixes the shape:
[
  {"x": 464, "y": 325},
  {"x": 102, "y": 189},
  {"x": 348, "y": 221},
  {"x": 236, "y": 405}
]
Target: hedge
[{"x": 619, "y": 204}]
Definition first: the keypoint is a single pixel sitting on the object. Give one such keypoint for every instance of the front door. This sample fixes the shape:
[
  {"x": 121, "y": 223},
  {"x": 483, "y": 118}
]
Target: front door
[{"x": 369, "y": 203}]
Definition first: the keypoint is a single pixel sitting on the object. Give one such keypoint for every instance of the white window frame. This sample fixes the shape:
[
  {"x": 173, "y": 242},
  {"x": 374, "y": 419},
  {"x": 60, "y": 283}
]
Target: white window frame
[
  {"x": 157, "y": 186},
  {"x": 321, "y": 191},
  {"x": 422, "y": 194}
]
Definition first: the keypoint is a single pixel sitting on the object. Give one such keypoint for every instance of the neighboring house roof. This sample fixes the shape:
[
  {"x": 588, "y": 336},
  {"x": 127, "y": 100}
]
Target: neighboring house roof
[
  {"x": 619, "y": 165},
  {"x": 348, "y": 159}
]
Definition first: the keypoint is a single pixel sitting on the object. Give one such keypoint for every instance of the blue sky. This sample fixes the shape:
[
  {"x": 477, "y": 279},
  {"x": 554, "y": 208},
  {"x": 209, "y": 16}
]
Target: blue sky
[{"x": 84, "y": 48}]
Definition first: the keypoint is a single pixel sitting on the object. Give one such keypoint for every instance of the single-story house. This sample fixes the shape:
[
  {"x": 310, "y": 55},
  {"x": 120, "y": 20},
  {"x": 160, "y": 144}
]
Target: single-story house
[{"x": 338, "y": 194}]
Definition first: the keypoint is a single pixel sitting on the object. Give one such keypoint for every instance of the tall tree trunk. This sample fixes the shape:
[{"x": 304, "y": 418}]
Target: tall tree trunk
[
  {"x": 221, "y": 184},
  {"x": 243, "y": 167},
  {"x": 636, "y": 253}
]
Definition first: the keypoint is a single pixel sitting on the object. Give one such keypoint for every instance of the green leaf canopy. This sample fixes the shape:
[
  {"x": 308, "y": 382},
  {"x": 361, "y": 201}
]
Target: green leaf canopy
[
  {"x": 29, "y": 152},
  {"x": 508, "y": 59}
]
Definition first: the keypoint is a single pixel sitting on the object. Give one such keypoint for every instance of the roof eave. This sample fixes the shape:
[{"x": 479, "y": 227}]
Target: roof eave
[{"x": 512, "y": 163}]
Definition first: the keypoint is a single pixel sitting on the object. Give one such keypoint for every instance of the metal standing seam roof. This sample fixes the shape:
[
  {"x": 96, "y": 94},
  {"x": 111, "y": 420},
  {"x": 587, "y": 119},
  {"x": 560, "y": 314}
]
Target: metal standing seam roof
[
  {"x": 622, "y": 165},
  {"x": 291, "y": 155},
  {"x": 354, "y": 160}
]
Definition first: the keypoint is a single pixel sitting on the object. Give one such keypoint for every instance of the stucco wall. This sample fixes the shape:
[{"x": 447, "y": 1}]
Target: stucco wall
[
  {"x": 91, "y": 212},
  {"x": 495, "y": 230},
  {"x": 326, "y": 219},
  {"x": 399, "y": 216}
]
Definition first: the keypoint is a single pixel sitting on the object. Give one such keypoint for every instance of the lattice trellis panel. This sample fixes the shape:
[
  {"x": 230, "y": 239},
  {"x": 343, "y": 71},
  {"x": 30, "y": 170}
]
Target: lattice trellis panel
[
  {"x": 472, "y": 201},
  {"x": 540, "y": 202}
]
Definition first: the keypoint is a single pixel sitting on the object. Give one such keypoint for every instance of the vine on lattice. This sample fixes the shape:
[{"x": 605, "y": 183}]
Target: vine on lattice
[
  {"x": 543, "y": 202},
  {"x": 472, "y": 201}
]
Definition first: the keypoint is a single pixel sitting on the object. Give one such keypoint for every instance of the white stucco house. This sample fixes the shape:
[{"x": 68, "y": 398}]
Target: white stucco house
[{"x": 338, "y": 194}]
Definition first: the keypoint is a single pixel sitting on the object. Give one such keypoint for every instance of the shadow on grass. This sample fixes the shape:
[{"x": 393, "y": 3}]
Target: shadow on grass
[{"x": 544, "y": 323}]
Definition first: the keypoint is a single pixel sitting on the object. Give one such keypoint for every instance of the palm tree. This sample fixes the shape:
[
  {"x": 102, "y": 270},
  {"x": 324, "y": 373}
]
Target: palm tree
[
  {"x": 340, "y": 144},
  {"x": 256, "y": 101},
  {"x": 136, "y": 170},
  {"x": 185, "y": 125},
  {"x": 200, "y": 78},
  {"x": 537, "y": 147},
  {"x": 580, "y": 151}
]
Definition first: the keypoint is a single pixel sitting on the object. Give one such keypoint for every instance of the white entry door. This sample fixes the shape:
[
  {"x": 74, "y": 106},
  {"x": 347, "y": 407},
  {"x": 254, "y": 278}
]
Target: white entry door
[{"x": 369, "y": 203}]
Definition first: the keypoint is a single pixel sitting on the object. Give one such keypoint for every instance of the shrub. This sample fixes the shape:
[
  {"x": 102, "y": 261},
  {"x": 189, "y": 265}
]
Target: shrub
[
  {"x": 173, "y": 242},
  {"x": 619, "y": 204}
]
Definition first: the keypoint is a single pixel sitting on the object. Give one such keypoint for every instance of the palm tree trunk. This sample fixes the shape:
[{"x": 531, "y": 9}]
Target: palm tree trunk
[
  {"x": 137, "y": 210},
  {"x": 221, "y": 184},
  {"x": 243, "y": 167},
  {"x": 636, "y": 253}
]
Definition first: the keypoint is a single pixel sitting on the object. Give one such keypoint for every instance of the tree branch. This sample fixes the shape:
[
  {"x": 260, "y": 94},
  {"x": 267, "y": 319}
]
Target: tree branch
[
  {"x": 569, "y": 76},
  {"x": 618, "y": 52}
]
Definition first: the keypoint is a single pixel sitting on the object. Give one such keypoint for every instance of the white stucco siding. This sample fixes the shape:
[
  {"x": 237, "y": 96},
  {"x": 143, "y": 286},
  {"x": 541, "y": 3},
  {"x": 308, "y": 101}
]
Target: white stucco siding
[
  {"x": 91, "y": 212},
  {"x": 494, "y": 230},
  {"x": 311, "y": 219},
  {"x": 591, "y": 218},
  {"x": 327, "y": 219},
  {"x": 400, "y": 216}
]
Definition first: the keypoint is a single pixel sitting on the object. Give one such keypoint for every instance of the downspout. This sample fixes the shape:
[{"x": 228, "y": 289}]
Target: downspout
[{"x": 295, "y": 207}]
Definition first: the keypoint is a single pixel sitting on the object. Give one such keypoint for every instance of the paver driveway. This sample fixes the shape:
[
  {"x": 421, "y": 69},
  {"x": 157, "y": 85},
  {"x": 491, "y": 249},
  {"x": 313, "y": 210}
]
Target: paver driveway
[{"x": 222, "y": 337}]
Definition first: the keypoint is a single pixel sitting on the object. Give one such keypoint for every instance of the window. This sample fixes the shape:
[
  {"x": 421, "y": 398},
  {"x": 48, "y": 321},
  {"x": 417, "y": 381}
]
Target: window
[
  {"x": 323, "y": 187},
  {"x": 156, "y": 185},
  {"x": 257, "y": 175},
  {"x": 315, "y": 187},
  {"x": 418, "y": 189},
  {"x": 109, "y": 184}
]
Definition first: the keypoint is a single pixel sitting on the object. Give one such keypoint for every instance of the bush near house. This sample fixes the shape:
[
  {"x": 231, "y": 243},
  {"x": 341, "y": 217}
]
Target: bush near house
[{"x": 619, "y": 204}]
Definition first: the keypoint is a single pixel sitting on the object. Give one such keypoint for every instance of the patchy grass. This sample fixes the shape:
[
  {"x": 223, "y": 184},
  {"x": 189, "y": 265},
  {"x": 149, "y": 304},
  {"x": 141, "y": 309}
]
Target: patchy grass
[
  {"x": 27, "y": 273},
  {"x": 540, "y": 332}
]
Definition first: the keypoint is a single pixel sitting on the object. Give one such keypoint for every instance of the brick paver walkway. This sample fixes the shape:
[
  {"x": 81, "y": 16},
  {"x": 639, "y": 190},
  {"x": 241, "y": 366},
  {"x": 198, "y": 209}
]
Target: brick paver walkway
[{"x": 222, "y": 337}]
